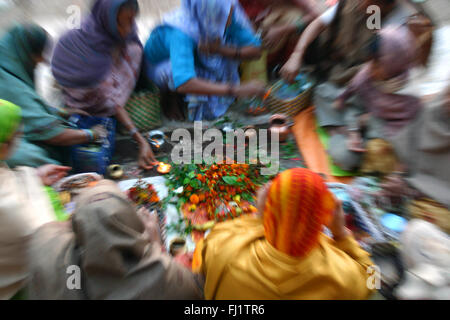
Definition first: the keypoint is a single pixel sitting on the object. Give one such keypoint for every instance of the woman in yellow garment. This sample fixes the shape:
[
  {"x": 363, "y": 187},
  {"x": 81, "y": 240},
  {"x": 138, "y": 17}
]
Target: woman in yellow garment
[{"x": 284, "y": 254}]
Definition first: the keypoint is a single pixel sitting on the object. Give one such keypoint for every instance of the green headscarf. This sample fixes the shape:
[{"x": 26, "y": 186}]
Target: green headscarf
[
  {"x": 18, "y": 46},
  {"x": 40, "y": 121},
  {"x": 10, "y": 116}
]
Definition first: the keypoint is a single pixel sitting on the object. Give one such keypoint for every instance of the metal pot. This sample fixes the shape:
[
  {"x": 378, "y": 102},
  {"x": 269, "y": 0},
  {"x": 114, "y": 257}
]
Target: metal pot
[
  {"x": 115, "y": 171},
  {"x": 279, "y": 123},
  {"x": 156, "y": 139}
]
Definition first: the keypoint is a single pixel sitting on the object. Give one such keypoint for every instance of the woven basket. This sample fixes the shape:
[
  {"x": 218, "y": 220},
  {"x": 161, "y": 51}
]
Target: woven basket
[
  {"x": 144, "y": 109},
  {"x": 290, "y": 107}
]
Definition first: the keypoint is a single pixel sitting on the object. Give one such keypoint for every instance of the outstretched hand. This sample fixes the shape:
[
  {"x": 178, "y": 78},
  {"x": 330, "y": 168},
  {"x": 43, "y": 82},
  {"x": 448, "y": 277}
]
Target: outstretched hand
[
  {"x": 151, "y": 224},
  {"x": 146, "y": 159},
  {"x": 51, "y": 173},
  {"x": 291, "y": 69},
  {"x": 337, "y": 226}
]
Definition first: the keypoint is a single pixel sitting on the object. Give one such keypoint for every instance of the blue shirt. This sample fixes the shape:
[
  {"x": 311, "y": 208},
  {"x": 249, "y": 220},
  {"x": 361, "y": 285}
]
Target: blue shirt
[{"x": 166, "y": 42}]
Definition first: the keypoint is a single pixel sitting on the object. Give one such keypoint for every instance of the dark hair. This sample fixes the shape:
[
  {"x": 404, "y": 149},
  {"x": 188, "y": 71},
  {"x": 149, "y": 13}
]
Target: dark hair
[
  {"x": 130, "y": 4},
  {"x": 37, "y": 38}
]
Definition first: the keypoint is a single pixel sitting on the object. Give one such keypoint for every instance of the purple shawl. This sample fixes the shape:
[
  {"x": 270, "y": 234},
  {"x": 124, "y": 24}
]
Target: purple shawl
[{"x": 83, "y": 57}]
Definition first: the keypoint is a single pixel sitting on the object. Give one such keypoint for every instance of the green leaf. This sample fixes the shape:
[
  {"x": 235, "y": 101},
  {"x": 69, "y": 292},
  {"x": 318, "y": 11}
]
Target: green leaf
[
  {"x": 186, "y": 181},
  {"x": 194, "y": 184},
  {"x": 247, "y": 197},
  {"x": 231, "y": 180},
  {"x": 191, "y": 174},
  {"x": 181, "y": 202}
]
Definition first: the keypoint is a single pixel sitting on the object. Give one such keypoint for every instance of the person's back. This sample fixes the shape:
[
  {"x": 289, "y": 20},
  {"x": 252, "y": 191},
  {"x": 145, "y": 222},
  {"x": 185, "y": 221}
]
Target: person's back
[
  {"x": 104, "y": 254},
  {"x": 285, "y": 255},
  {"x": 334, "y": 270}
]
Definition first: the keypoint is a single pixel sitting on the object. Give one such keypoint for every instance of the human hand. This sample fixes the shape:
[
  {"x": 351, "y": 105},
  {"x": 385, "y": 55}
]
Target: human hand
[
  {"x": 146, "y": 158},
  {"x": 292, "y": 67},
  {"x": 99, "y": 132},
  {"x": 419, "y": 24},
  {"x": 151, "y": 225},
  {"x": 208, "y": 48},
  {"x": 337, "y": 225},
  {"x": 250, "y": 90},
  {"x": 51, "y": 173}
]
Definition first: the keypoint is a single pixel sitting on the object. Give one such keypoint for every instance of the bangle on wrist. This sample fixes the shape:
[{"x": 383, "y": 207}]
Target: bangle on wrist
[
  {"x": 133, "y": 131},
  {"x": 89, "y": 134}
]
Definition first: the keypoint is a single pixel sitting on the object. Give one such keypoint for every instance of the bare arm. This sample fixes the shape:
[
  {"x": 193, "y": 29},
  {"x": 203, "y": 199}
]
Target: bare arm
[
  {"x": 204, "y": 87},
  {"x": 69, "y": 137},
  {"x": 273, "y": 35},
  {"x": 291, "y": 68},
  {"x": 238, "y": 53},
  {"x": 245, "y": 53},
  {"x": 123, "y": 117},
  {"x": 199, "y": 86},
  {"x": 146, "y": 157},
  {"x": 309, "y": 35}
]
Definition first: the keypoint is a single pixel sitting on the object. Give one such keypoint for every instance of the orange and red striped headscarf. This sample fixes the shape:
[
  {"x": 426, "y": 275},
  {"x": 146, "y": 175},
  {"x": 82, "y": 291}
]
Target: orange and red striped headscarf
[{"x": 298, "y": 204}]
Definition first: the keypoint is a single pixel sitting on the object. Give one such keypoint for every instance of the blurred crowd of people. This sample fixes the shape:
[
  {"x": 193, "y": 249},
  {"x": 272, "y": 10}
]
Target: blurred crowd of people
[{"x": 196, "y": 57}]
